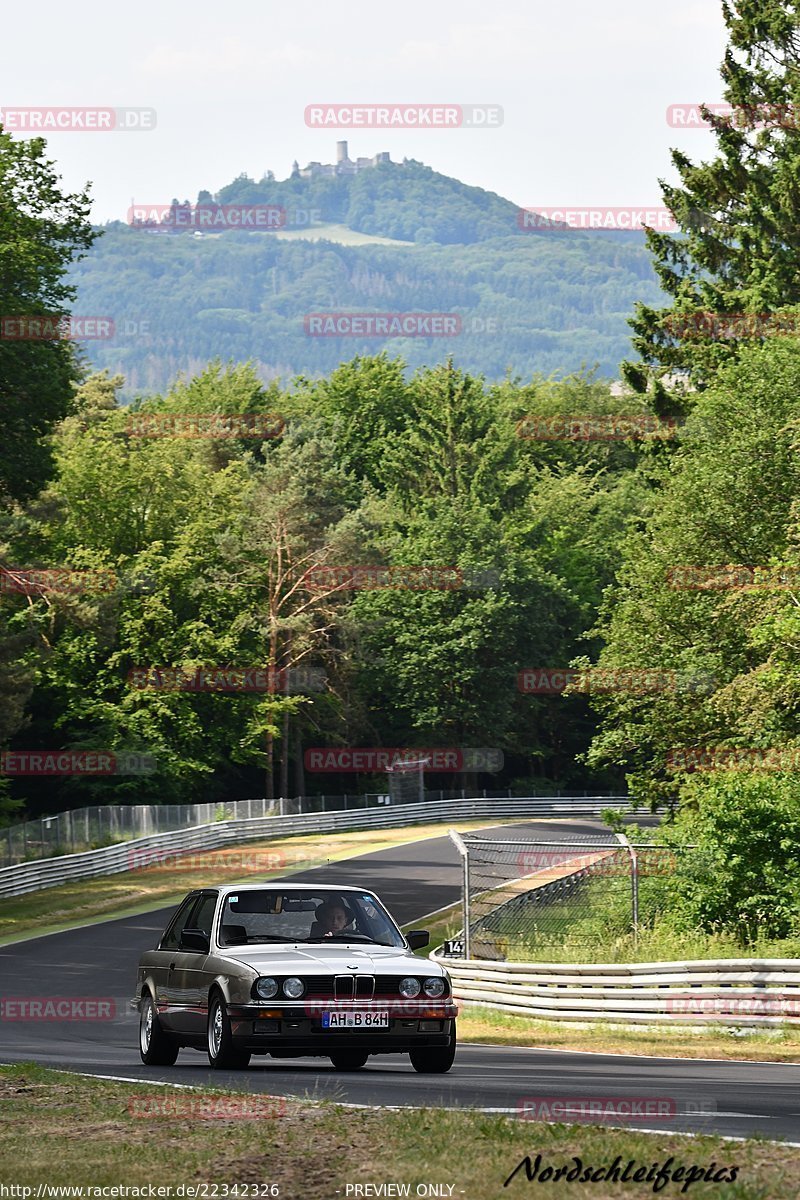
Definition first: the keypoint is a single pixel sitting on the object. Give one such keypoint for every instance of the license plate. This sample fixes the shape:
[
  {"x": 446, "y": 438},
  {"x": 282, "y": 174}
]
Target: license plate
[{"x": 355, "y": 1020}]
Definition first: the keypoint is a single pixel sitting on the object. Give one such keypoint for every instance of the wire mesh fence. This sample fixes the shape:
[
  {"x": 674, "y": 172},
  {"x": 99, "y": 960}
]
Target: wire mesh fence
[
  {"x": 558, "y": 900},
  {"x": 104, "y": 825},
  {"x": 406, "y": 781}
]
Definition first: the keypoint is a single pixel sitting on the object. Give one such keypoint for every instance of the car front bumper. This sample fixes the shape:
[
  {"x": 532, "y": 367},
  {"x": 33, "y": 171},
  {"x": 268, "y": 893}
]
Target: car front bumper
[{"x": 298, "y": 1029}]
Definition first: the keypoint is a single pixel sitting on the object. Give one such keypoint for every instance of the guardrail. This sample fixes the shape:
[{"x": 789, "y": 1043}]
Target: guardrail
[
  {"x": 740, "y": 992},
  {"x": 111, "y": 860},
  {"x": 57, "y": 834}
]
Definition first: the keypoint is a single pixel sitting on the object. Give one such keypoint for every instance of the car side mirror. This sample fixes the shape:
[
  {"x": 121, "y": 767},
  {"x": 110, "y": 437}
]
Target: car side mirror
[
  {"x": 417, "y": 938},
  {"x": 195, "y": 939}
]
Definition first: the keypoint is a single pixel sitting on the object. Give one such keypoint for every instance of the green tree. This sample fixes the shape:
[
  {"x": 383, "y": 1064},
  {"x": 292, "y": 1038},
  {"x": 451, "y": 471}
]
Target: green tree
[
  {"x": 728, "y": 497},
  {"x": 739, "y": 214},
  {"x": 42, "y": 230},
  {"x": 740, "y": 876}
]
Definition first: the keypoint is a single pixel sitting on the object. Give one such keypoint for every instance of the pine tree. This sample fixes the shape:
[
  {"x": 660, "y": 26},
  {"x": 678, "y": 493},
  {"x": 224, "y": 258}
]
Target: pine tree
[{"x": 738, "y": 249}]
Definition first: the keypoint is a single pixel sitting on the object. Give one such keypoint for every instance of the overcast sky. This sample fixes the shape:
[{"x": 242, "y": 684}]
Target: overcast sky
[{"x": 584, "y": 87}]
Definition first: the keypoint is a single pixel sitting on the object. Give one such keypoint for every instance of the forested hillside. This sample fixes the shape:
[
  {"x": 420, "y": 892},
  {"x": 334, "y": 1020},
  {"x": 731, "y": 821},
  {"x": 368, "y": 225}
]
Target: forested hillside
[{"x": 527, "y": 302}]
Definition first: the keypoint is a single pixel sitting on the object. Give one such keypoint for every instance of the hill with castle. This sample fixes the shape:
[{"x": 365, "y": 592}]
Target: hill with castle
[{"x": 364, "y": 235}]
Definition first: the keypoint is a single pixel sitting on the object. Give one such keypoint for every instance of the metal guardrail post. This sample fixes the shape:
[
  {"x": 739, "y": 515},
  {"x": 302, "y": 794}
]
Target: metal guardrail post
[
  {"x": 634, "y": 883},
  {"x": 462, "y": 849}
]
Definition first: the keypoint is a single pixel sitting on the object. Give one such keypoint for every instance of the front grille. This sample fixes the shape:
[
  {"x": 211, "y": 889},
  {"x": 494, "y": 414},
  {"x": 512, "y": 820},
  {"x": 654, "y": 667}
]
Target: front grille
[
  {"x": 378, "y": 985},
  {"x": 322, "y": 986},
  {"x": 343, "y": 987},
  {"x": 319, "y": 985}
]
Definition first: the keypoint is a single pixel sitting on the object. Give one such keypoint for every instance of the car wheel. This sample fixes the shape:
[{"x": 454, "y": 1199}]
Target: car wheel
[
  {"x": 348, "y": 1060},
  {"x": 222, "y": 1053},
  {"x": 157, "y": 1049},
  {"x": 435, "y": 1060}
]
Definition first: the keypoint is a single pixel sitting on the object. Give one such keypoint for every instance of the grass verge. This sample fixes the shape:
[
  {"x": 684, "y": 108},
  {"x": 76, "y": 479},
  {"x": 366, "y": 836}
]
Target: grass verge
[
  {"x": 780, "y": 1044},
  {"x": 62, "y": 1129}
]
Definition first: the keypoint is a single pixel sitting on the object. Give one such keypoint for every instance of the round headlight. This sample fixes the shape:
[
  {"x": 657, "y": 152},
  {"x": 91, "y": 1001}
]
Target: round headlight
[
  {"x": 409, "y": 988},
  {"x": 293, "y": 988},
  {"x": 266, "y": 988},
  {"x": 434, "y": 987}
]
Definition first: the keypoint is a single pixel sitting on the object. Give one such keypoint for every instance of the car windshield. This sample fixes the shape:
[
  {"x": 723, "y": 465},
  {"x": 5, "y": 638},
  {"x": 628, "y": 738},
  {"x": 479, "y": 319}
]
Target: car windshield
[{"x": 318, "y": 915}]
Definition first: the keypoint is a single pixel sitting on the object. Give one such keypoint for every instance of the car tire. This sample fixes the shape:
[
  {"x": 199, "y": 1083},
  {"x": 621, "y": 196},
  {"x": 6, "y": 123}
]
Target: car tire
[
  {"x": 223, "y": 1055},
  {"x": 435, "y": 1060},
  {"x": 156, "y": 1048},
  {"x": 348, "y": 1060}
]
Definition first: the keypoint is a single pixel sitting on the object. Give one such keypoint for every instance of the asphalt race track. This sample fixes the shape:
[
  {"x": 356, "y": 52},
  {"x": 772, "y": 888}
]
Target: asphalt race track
[{"x": 100, "y": 961}]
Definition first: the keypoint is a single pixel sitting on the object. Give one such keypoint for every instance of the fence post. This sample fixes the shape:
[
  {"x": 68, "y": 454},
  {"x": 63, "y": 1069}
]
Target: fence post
[
  {"x": 634, "y": 883},
  {"x": 461, "y": 847}
]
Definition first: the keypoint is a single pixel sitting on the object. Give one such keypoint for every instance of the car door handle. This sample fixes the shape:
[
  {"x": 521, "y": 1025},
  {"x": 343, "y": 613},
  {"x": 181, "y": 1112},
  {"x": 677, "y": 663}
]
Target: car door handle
[{"x": 172, "y": 966}]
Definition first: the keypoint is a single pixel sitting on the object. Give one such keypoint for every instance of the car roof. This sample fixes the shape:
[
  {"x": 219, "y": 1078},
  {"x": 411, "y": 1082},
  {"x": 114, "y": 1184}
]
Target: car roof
[{"x": 284, "y": 887}]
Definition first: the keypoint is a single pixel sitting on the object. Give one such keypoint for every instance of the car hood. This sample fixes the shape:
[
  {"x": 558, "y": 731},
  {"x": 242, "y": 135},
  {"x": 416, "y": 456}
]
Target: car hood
[{"x": 340, "y": 959}]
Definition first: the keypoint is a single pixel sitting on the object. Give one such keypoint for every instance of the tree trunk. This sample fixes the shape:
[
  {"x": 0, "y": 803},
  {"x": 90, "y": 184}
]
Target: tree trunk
[
  {"x": 285, "y": 756},
  {"x": 269, "y": 790},
  {"x": 299, "y": 766}
]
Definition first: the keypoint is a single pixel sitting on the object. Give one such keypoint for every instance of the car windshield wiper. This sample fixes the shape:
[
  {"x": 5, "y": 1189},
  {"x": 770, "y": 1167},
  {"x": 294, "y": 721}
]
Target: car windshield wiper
[
  {"x": 259, "y": 937},
  {"x": 344, "y": 937}
]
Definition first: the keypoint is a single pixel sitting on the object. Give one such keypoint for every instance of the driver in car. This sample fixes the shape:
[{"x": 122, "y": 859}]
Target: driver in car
[{"x": 329, "y": 919}]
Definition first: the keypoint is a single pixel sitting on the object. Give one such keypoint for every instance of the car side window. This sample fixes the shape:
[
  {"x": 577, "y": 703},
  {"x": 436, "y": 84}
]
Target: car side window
[
  {"x": 203, "y": 915},
  {"x": 172, "y": 937}
]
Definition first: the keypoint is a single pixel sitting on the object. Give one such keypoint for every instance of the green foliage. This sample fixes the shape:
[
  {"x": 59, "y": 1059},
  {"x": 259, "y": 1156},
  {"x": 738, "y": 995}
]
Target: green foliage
[
  {"x": 42, "y": 230},
  {"x": 728, "y": 496},
  {"x": 372, "y": 468},
  {"x": 739, "y": 214},
  {"x": 742, "y": 878}
]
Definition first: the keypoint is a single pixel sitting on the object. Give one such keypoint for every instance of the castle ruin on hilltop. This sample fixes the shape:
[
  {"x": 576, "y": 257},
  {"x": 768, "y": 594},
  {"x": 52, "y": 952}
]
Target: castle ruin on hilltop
[{"x": 344, "y": 165}]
